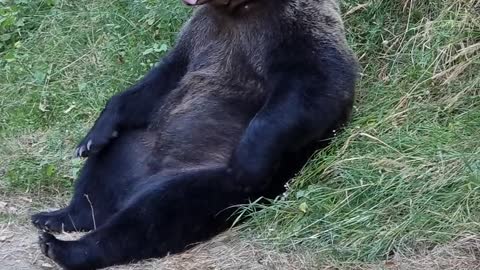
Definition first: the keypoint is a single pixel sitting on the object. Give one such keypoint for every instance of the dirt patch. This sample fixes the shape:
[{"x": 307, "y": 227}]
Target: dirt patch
[{"x": 19, "y": 249}]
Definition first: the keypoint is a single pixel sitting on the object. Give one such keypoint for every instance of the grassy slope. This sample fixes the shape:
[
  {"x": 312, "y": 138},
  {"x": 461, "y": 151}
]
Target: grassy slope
[{"x": 405, "y": 174}]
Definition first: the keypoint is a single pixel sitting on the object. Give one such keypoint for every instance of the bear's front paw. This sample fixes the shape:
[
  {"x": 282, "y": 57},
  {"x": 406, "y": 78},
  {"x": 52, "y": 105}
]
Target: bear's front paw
[
  {"x": 50, "y": 221},
  {"x": 95, "y": 141}
]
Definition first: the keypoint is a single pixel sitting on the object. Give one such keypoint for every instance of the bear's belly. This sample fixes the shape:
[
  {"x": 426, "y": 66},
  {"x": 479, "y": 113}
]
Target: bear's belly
[
  {"x": 199, "y": 136},
  {"x": 201, "y": 123}
]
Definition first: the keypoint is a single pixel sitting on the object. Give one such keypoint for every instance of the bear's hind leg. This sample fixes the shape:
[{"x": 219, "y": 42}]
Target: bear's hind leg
[
  {"x": 106, "y": 180},
  {"x": 77, "y": 216},
  {"x": 93, "y": 202},
  {"x": 166, "y": 216},
  {"x": 63, "y": 220}
]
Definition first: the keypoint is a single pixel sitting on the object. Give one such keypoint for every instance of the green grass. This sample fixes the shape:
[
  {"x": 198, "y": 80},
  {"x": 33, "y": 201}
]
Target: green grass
[
  {"x": 60, "y": 72},
  {"x": 404, "y": 175}
]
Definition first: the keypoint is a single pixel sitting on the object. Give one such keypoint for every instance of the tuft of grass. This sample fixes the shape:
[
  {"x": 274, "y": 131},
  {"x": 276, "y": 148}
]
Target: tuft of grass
[{"x": 405, "y": 174}]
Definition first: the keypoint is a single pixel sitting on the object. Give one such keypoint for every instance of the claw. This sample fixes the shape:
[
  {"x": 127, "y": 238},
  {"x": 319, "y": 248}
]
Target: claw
[
  {"x": 43, "y": 245},
  {"x": 89, "y": 145},
  {"x": 77, "y": 152},
  {"x": 47, "y": 225},
  {"x": 45, "y": 241},
  {"x": 80, "y": 151}
]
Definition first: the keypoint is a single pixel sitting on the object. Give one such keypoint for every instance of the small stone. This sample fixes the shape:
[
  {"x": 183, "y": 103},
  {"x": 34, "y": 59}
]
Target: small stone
[
  {"x": 3, "y": 207},
  {"x": 47, "y": 266},
  {"x": 26, "y": 199},
  {"x": 5, "y": 238}
]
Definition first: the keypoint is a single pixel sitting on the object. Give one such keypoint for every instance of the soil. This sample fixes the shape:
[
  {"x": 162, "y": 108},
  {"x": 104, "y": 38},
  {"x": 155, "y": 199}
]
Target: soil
[{"x": 19, "y": 249}]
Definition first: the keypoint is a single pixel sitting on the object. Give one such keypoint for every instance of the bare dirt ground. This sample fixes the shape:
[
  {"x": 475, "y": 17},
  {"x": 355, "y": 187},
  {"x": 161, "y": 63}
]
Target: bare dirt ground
[{"x": 19, "y": 251}]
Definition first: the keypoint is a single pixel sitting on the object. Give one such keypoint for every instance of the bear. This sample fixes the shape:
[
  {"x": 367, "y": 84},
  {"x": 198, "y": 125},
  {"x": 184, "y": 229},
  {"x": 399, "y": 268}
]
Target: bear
[{"x": 251, "y": 89}]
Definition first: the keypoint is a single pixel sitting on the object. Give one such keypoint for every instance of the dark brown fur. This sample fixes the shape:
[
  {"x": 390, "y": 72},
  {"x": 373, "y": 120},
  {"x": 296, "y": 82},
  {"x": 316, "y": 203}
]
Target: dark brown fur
[{"x": 249, "y": 92}]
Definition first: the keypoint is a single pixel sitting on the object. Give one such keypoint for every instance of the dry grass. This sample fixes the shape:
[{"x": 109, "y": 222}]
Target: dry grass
[
  {"x": 462, "y": 254},
  {"x": 229, "y": 251}
]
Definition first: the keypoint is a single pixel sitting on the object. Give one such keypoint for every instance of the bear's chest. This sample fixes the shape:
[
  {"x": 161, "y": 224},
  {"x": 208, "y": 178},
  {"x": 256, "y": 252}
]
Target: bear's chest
[{"x": 230, "y": 45}]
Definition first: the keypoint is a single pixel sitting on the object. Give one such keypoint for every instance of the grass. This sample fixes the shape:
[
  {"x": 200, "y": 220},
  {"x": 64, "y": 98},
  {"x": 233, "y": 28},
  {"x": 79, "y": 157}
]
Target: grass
[
  {"x": 60, "y": 72},
  {"x": 404, "y": 176}
]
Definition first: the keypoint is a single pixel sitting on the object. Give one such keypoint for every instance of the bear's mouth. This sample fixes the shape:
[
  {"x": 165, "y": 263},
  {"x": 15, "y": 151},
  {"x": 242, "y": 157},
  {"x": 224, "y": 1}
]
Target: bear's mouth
[
  {"x": 201, "y": 2},
  {"x": 194, "y": 2}
]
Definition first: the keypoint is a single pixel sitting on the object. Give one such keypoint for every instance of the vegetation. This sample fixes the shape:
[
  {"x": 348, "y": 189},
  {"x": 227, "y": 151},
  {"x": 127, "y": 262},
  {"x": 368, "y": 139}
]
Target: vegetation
[
  {"x": 61, "y": 64},
  {"x": 404, "y": 175}
]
